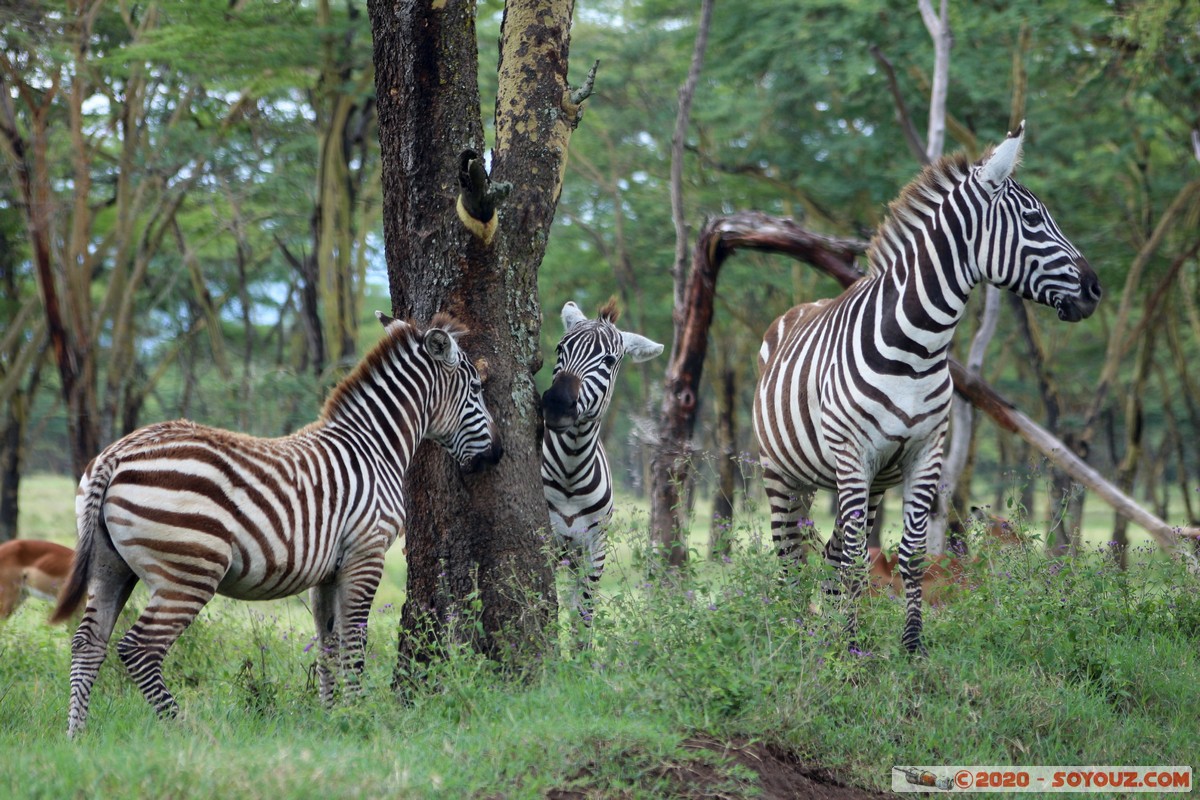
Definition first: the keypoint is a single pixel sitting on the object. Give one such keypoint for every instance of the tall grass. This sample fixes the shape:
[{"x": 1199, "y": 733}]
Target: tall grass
[{"x": 1039, "y": 662}]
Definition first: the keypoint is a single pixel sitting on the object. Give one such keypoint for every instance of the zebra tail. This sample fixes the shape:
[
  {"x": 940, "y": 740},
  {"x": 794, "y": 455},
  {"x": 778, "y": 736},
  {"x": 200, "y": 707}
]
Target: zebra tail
[{"x": 74, "y": 591}]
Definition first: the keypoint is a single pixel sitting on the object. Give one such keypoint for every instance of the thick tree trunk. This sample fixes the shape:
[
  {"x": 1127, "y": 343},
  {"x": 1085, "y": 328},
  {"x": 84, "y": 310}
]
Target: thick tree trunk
[{"x": 474, "y": 542}]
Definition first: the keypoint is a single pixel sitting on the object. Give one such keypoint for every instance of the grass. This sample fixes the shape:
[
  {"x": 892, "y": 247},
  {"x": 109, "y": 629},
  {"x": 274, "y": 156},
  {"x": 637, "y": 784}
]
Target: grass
[{"x": 1041, "y": 662}]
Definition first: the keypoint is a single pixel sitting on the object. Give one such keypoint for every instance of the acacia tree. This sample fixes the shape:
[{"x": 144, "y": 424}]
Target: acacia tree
[{"x": 475, "y": 540}]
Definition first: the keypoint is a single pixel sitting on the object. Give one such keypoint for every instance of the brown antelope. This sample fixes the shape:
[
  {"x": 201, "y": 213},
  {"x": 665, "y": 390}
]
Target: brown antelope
[
  {"x": 31, "y": 567},
  {"x": 943, "y": 576}
]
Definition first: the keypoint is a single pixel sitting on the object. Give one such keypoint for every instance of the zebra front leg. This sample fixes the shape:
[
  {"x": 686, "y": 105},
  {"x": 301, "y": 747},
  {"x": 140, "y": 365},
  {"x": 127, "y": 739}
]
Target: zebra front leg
[
  {"x": 591, "y": 570},
  {"x": 854, "y": 504},
  {"x": 106, "y": 597},
  {"x": 358, "y": 583},
  {"x": 920, "y": 492},
  {"x": 323, "y": 598},
  {"x": 340, "y": 609},
  {"x": 834, "y": 555},
  {"x": 912, "y": 571}
]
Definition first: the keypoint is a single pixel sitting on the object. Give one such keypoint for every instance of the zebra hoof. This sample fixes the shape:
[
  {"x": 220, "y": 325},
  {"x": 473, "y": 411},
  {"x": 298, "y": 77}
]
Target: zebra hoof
[
  {"x": 831, "y": 587},
  {"x": 916, "y": 649}
]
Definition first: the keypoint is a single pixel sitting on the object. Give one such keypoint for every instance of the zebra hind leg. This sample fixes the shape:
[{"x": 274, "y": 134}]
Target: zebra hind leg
[
  {"x": 89, "y": 646},
  {"x": 792, "y": 532},
  {"x": 144, "y": 647}
]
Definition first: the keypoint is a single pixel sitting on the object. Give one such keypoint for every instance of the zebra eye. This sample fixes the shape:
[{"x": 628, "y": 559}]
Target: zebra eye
[
  {"x": 476, "y": 387},
  {"x": 1032, "y": 217},
  {"x": 609, "y": 360}
]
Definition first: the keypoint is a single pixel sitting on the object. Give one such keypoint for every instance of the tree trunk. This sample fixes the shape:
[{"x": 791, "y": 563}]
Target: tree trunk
[
  {"x": 671, "y": 540},
  {"x": 11, "y": 436},
  {"x": 720, "y": 538},
  {"x": 475, "y": 542}
]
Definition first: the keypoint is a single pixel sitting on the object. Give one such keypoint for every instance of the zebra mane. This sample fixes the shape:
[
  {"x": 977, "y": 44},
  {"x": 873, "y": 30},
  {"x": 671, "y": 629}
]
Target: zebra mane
[
  {"x": 934, "y": 182},
  {"x": 610, "y": 311},
  {"x": 396, "y": 333}
]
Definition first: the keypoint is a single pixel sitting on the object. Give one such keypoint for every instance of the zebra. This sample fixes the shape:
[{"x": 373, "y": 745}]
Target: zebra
[
  {"x": 854, "y": 391},
  {"x": 193, "y": 511},
  {"x": 576, "y": 478}
]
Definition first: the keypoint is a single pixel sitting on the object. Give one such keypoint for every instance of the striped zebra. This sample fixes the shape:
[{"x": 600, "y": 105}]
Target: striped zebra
[
  {"x": 575, "y": 473},
  {"x": 194, "y": 511},
  {"x": 854, "y": 392}
]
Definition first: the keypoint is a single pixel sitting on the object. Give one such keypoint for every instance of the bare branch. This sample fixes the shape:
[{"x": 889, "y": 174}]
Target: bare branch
[
  {"x": 939, "y": 30},
  {"x": 911, "y": 136}
]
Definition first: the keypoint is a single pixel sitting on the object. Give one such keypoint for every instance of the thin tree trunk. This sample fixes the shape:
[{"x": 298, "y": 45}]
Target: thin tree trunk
[
  {"x": 720, "y": 538},
  {"x": 672, "y": 472},
  {"x": 1134, "y": 435}
]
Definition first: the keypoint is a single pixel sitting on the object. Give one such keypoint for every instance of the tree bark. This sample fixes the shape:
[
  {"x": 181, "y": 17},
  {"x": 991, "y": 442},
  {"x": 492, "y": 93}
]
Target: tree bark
[{"x": 475, "y": 542}]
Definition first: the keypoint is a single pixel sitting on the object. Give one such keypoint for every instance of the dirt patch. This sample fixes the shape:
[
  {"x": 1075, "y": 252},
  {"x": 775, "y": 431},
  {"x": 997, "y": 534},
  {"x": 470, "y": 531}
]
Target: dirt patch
[{"x": 729, "y": 770}]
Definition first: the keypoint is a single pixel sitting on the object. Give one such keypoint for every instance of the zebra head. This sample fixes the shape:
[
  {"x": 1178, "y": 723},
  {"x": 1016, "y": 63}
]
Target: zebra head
[
  {"x": 1019, "y": 246},
  {"x": 585, "y": 369},
  {"x": 459, "y": 419}
]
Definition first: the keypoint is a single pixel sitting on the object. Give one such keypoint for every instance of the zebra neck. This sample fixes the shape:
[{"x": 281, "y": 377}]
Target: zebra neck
[
  {"x": 375, "y": 420},
  {"x": 581, "y": 443},
  {"x": 924, "y": 278}
]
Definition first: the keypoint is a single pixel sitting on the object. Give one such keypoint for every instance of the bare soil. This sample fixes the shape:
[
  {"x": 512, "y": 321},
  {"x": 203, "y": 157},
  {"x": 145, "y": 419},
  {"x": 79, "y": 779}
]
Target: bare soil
[{"x": 728, "y": 770}]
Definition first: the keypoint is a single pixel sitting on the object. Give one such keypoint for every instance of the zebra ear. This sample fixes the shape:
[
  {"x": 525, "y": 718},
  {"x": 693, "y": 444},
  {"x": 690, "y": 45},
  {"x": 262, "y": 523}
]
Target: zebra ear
[
  {"x": 442, "y": 347},
  {"x": 639, "y": 348},
  {"x": 571, "y": 315},
  {"x": 1002, "y": 162},
  {"x": 384, "y": 319}
]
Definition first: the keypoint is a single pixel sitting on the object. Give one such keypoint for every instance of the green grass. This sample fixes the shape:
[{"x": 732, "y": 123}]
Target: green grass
[{"x": 1040, "y": 662}]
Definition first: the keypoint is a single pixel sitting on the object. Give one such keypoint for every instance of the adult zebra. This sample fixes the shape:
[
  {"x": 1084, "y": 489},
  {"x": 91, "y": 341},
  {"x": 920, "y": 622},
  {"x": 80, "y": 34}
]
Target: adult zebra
[
  {"x": 575, "y": 473},
  {"x": 193, "y": 511},
  {"x": 854, "y": 391}
]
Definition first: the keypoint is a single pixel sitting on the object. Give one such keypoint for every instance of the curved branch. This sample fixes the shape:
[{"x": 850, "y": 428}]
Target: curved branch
[{"x": 721, "y": 237}]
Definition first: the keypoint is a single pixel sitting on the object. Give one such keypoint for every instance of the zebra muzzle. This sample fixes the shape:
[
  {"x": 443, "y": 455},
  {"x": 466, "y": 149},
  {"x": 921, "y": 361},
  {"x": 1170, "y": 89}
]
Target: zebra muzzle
[{"x": 560, "y": 403}]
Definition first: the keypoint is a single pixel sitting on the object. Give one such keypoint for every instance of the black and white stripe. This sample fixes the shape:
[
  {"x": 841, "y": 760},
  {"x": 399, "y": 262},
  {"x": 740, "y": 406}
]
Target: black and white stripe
[
  {"x": 193, "y": 511},
  {"x": 575, "y": 472},
  {"x": 854, "y": 391}
]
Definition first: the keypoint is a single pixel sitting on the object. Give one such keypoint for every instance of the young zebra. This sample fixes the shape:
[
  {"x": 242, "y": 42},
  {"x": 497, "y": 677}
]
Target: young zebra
[
  {"x": 575, "y": 473},
  {"x": 193, "y": 511},
  {"x": 854, "y": 391}
]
